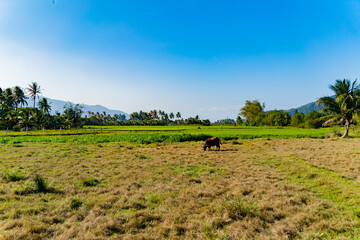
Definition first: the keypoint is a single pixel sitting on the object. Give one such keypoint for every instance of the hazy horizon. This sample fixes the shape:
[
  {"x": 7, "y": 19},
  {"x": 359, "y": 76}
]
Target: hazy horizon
[{"x": 204, "y": 58}]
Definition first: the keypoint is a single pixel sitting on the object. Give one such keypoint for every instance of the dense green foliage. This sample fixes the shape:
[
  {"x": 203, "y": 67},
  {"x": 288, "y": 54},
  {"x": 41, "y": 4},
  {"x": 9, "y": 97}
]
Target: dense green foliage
[
  {"x": 251, "y": 112},
  {"x": 13, "y": 114},
  {"x": 346, "y": 104}
]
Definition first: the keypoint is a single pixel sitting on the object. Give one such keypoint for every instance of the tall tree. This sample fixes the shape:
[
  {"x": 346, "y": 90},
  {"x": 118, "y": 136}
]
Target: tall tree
[
  {"x": 26, "y": 117},
  {"x": 344, "y": 106},
  {"x": 72, "y": 114},
  {"x": 44, "y": 106},
  {"x": 1, "y": 96},
  {"x": 8, "y": 97},
  {"x": 251, "y": 110},
  {"x": 154, "y": 114},
  {"x": 19, "y": 97},
  {"x": 34, "y": 90},
  {"x": 178, "y": 115}
]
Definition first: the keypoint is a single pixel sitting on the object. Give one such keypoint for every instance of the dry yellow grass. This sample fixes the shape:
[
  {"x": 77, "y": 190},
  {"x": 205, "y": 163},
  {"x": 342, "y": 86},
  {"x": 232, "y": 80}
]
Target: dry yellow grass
[
  {"x": 340, "y": 155},
  {"x": 176, "y": 191}
]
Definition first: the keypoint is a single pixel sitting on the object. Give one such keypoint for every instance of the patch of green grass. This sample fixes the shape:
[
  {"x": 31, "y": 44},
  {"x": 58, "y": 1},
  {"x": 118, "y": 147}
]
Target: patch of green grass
[
  {"x": 238, "y": 207},
  {"x": 158, "y": 134},
  {"x": 13, "y": 176},
  {"x": 154, "y": 200},
  {"x": 90, "y": 182}
]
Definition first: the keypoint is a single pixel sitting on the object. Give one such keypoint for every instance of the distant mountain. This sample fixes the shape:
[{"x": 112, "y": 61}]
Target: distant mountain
[
  {"x": 58, "y": 106},
  {"x": 306, "y": 108}
]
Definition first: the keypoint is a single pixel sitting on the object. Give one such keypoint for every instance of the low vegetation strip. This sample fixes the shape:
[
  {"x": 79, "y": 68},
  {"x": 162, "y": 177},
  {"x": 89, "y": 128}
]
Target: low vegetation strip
[
  {"x": 132, "y": 138},
  {"x": 189, "y": 134}
]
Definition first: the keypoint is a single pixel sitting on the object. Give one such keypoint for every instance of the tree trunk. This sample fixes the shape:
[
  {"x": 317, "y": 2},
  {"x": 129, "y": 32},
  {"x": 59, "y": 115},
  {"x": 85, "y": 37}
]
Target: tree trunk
[{"x": 347, "y": 125}]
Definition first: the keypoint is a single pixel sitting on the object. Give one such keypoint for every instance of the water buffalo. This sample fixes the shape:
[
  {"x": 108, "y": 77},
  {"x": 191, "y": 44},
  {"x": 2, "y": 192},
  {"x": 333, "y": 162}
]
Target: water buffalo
[{"x": 214, "y": 141}]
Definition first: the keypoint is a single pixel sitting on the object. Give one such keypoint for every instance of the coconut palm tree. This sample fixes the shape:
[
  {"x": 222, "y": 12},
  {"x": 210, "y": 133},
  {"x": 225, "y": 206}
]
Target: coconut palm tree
[
  {"x": 154, "y": 114},
  {"x": 8, "y": 98},
  {"x": 1, "y": 96},
  {"x": 19, "y": 97},
  {"x": 34, "y": 90},
  {"x": 25, "y": 117},
  {"x": 344, "y": 106},
  {"x": 44, "y": 106},
  {"x": 178, "y": 115}
]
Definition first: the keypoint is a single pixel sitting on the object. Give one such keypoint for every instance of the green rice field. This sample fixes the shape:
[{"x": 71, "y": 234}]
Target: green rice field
[{"x": 150, "y": 134}]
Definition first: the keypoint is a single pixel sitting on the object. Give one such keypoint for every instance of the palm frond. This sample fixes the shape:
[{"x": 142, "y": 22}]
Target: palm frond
[
  {"x": 330, "y": 105},
  {"x": 333, "y": 119}
]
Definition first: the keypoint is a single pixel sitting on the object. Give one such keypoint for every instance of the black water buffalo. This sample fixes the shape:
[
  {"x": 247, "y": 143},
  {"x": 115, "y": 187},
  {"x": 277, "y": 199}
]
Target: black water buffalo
[{"x": 214, "y": 141}]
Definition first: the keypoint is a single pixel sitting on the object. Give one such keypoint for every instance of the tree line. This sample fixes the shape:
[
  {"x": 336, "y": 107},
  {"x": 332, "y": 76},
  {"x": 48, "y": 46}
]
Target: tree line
[
  {"x": 254, "y": 115},
  {"x": 15, "y": 113},
  {"x": 341, "y": 109},
  {"x": 159, "y": 117}
]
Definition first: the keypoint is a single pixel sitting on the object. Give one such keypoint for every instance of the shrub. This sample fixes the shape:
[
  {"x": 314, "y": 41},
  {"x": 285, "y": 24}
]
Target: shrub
[
  {"x": 90, "y": 182},
  {"x": 13, "y": 176},
  {"x": 38, "y": 185},
  {"x": 41, "y": 185},
  {"x": 75, "y": 204}
]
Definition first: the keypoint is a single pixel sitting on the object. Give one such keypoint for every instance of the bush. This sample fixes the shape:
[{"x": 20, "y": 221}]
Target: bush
[
  {"x": 75, "y": 204},
  {"x": 41, "y": 185},
  {"x": 38, "y": 185},
  {"x": 316, "y": 123},
  {"x": 314, "y": 119}
]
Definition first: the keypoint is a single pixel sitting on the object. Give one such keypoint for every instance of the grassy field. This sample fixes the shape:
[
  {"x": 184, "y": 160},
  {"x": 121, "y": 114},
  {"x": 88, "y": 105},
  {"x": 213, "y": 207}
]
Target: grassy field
[{"x": 281, "y": 187}]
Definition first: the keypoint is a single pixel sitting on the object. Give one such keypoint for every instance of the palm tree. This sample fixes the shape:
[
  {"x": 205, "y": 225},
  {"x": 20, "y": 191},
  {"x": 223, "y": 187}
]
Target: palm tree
[
  {"x": 25, "y": 117},
  {"x": 8, "y": 98},
  {"x": 154, "y": 114},
  {"x": 19, "y": 97},
  {"x": 1, "y": 96},
  {"x": 344, "y": 106},
  {"x": 171, "y": 115},
  {"x": 178, "y": 115},
  {"x": 44, "y": 106},
  {"x": 34, "y": 90}
]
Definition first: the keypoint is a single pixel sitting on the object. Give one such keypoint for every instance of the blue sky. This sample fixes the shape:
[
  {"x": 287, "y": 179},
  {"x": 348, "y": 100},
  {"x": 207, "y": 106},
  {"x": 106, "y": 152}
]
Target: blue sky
[{"x": 196, "y": 57}]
